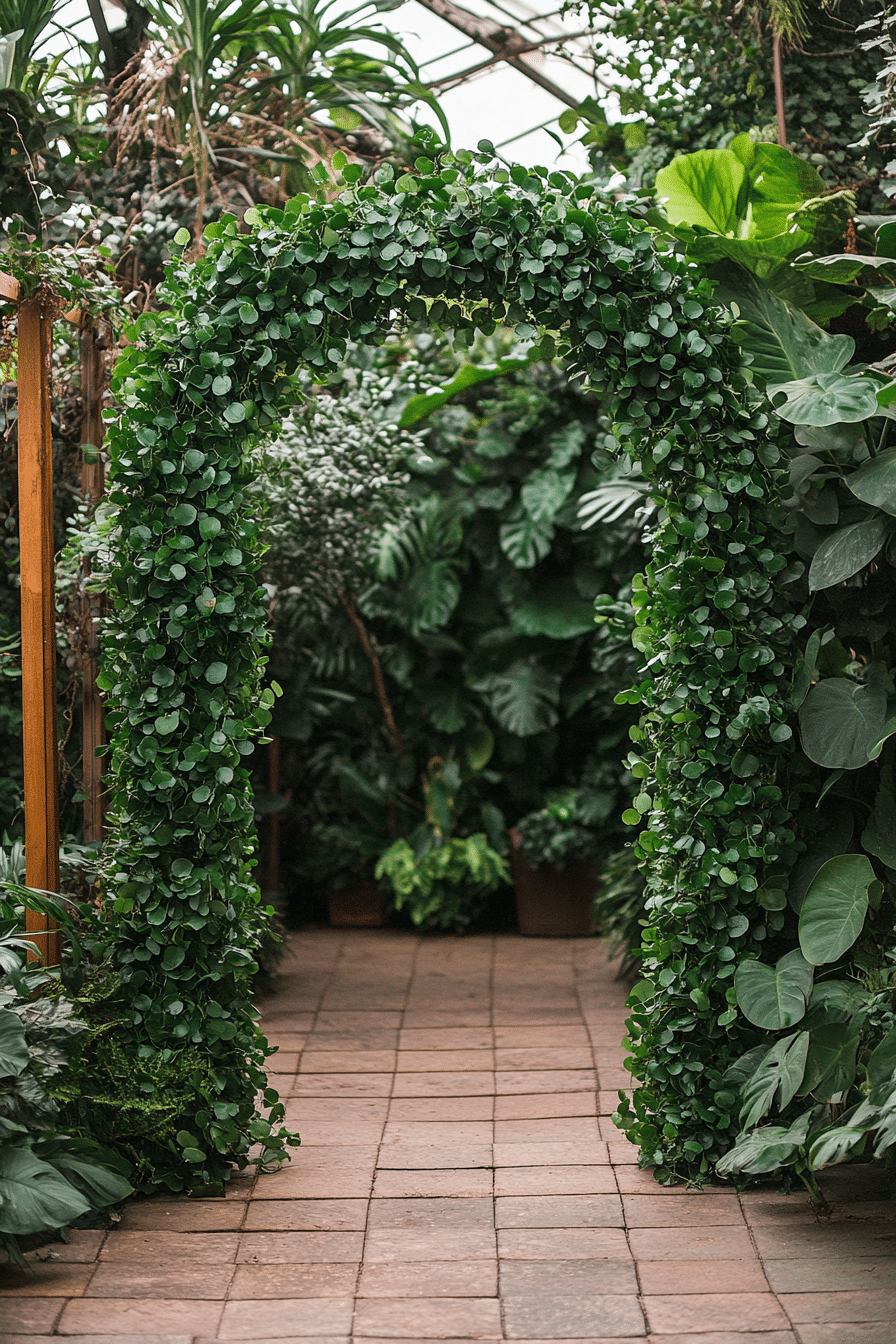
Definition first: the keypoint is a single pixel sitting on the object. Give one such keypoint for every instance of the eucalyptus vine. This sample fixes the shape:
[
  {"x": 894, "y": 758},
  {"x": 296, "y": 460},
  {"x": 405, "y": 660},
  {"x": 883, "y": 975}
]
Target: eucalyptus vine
[{"x": 465, "y": 245}]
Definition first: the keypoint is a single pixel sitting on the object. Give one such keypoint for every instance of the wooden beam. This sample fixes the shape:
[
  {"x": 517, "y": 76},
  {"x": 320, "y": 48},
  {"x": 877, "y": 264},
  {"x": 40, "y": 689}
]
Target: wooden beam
[
  {"x": 9, "y": 287},
  {"x": 92, "y": 486},
  {"x": 37, "y": 550}
]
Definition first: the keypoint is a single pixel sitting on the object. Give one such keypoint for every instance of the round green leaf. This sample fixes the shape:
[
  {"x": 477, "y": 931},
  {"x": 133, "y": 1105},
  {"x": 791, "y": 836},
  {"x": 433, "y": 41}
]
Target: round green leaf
[
  {"x": 835, "y": 907},
  {"x": 183, "y": 515},
  {"x": 215, "y": 673}
]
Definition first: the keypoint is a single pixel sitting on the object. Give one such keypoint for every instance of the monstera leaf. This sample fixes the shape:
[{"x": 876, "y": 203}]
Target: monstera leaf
[
  {"x": 777, "y": 1079},
  {"x": 524, "y": 699}
]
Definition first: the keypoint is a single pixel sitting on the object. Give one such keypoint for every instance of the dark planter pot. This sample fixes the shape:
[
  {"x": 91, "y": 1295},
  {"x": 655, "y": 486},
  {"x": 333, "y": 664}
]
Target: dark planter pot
[
  {"x": 362, "y": 906},
  {"x": 553, "y": 902}
]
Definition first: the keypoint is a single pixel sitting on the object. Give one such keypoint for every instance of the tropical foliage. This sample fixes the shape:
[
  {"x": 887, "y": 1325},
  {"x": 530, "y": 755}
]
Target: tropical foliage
[
  {"x": 48, "y": 1179},
  {"x": 474, "y": 633}
]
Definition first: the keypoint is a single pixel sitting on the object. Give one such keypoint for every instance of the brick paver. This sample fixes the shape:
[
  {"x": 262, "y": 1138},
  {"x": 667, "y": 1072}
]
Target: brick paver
[{"x": 461, "y": 1179}]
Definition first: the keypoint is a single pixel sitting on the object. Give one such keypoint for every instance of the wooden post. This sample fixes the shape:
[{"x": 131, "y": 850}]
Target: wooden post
[
  {"x": 92, "y": 486},
  {"x": 40, "y": 732}
]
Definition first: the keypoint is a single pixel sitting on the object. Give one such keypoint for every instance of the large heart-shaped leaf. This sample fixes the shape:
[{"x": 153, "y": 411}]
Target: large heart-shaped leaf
[
  {"x": 13, "y": 1049},
  {"x": 554, "y": 610},
  {"x": 33, "y": 1195},
  {"x": 879, "y": 835},
  {"x": 842, "y": 722},
  {"x": 875, "y": 481},
  {"x": 748, "y": 195},
  {"x": 784, "y": 343},
  {"x": 835, "y": 907},
  {"x": 774, "y": 997},
  {"x": 847, "y": 551},
  {"x": 706, "y": 189},
  {"x": 825, "y": 399}
]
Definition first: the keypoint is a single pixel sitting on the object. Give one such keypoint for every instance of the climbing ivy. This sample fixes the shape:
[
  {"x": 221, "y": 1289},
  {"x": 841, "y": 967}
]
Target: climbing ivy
[{"x": 463, "y": 244}]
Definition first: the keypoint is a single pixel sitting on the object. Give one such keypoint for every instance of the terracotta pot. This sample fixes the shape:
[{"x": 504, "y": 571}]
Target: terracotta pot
[
  {"x": 362, "y": 906},
  {"x": 553, "y": 902}
]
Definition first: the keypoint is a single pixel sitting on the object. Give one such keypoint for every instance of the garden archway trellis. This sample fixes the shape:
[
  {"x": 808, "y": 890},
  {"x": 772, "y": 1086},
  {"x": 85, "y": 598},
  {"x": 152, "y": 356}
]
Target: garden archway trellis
[{"x": 462, "y": 244}]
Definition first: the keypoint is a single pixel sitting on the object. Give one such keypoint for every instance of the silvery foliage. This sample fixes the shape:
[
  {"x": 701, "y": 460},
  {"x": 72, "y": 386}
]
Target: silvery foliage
[{"x": 333, "y": 479}]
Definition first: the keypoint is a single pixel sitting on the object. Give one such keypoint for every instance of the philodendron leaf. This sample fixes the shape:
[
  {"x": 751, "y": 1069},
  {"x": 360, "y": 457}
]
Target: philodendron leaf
[
  {"x": 875, "y": 481},
  {"x": 785, "y": 345},
  {"x": 842, "y": 722},
  {"x": 835, "y": 908},
  {"x": 34, "y": 1197},
  {"x": 879, "y": 835},
  {"x": 13, "y": 1049},
  {"x": 831, "y": 1063},
  {"x": 419, "y": 407},
  {"x": 825, "y": 399},
  {"x": 881, "y": 1067},
  {"x": 774, "y": 997},
  {"x": 847, "y": 551}
]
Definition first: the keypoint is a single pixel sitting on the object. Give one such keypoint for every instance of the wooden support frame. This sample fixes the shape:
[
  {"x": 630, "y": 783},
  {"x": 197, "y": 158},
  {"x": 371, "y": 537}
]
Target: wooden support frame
[
  {"x": 38, "y": 580},
  {"x": 40, "y": 743}
]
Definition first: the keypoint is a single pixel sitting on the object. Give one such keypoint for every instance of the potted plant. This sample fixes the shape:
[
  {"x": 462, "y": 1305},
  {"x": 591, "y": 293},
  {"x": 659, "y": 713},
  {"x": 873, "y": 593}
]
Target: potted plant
[
  {"x": 553, "y": 859},
  {"x": 444, "y": 880}
]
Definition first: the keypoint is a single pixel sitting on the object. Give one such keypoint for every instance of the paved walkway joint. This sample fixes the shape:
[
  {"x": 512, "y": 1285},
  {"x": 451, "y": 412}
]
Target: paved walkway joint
[{"x": 460, "y": 1179}]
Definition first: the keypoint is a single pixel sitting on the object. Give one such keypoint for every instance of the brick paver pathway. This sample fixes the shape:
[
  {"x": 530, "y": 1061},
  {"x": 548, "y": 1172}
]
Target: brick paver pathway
[{"x": 460, "y": 1180}]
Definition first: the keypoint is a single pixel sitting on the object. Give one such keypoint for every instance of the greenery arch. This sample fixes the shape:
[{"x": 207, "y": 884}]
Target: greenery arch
[{"x": 466, "y": 244}]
